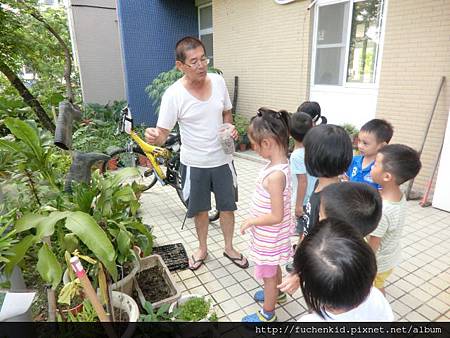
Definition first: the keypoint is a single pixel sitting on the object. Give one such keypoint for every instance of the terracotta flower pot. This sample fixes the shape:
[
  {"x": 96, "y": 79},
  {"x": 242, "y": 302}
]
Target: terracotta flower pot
[
  {"x": 242, "y": 147},
  {"x": 144, "y": 161},
  {"x": 112, "y": 164}
]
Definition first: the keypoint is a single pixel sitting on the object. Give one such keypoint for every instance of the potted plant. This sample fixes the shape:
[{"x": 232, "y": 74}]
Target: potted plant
[
  {"x": 193, "y": 308},
  {"x": 241, "y": 123},
  {"x": 352, "y": 131},
  {"x": 154, "y": 282},
  {"x": 125, "y": 306},
  {"x": 100, "y": 221}
]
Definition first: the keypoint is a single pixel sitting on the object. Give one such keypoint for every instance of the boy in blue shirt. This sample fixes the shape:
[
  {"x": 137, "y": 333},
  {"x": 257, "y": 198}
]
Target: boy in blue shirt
[
  {"x": 373, "y": 136},
  {"x": 302, "y": 182}
]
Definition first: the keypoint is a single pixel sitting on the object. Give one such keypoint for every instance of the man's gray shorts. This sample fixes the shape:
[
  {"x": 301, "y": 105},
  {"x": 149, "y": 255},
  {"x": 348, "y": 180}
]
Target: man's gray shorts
[{"x": 198, "y": 183}]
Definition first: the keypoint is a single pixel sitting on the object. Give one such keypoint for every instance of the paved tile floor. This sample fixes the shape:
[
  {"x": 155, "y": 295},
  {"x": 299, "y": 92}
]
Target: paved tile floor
[{"x": 418, "y": 290}]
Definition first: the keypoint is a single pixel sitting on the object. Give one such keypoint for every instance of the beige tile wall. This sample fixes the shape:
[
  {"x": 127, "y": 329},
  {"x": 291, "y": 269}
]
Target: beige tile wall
[
  {"x": 416, "y": 54},
  {"x": 267, "y": 46}
]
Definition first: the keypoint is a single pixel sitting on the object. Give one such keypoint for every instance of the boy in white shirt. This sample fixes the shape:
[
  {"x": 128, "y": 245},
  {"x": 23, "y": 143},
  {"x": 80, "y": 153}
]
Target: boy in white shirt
[{"x": 394, "y": 165}]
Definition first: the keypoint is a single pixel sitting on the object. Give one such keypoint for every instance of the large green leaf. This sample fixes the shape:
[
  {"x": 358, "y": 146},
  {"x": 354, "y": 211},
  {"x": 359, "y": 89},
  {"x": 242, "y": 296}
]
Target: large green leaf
[
  {"x": 123, "y": 242},
  {"x": 29, "y": 221},
  {"x": 124, "y": 174},
  {"x": 90, "y": 233},
  {"x": 47, "y": 226},
  {"x": 48, "y": 266},
  {"x": 26, "y": 133},
  {"x": 10, "y": 146},
  {"x": 19, "y": 251}
]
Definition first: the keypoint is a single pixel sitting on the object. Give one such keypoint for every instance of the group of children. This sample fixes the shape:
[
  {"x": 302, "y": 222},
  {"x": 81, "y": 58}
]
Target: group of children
[{"x": 349, "y": 213}]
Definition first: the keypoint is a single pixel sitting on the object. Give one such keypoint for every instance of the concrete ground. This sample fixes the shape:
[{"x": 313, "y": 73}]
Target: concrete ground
[{"x": 418, "y": 290}]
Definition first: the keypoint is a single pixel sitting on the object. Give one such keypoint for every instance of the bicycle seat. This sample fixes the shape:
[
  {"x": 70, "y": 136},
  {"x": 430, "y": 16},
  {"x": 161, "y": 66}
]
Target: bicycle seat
[{"x": 172, "y": 138}]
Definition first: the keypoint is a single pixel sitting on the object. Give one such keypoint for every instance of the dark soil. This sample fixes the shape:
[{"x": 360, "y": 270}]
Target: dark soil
[
  {"x": 120, "y": 316},
  {"x": 153, "y": 285}
]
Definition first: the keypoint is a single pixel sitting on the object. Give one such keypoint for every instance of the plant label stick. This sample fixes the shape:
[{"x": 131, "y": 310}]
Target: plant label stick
[{"x": 88, "y": 289}]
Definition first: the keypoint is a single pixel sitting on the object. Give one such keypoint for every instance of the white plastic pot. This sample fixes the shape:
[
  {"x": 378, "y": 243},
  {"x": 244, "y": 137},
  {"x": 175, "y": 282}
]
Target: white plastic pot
[{"x": 127, "y": 304}]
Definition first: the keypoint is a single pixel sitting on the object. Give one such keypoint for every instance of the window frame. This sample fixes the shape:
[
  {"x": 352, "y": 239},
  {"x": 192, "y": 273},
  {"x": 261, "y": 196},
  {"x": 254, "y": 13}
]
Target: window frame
[
  {"x": 345, "y": 84},
  {"x": 205, "y": 31}
]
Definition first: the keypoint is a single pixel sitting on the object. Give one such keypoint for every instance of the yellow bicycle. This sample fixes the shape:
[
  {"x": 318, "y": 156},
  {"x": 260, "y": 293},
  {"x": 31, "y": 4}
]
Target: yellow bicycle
[{"x": 164, "y": 166}]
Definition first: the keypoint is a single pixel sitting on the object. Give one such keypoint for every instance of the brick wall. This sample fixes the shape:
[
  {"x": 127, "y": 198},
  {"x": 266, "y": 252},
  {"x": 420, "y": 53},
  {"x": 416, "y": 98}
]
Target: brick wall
[
  {"x": 267, "y": 46},
  {"x": 416, "y": 55}
]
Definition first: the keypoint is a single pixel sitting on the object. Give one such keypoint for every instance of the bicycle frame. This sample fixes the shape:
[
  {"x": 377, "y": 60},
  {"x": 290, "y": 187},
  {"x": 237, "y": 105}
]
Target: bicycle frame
[{"x": 152, "y": 152}]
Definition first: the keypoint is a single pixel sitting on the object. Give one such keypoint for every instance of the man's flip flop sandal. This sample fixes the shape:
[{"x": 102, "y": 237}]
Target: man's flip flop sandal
[
  {"x": 200, "y": 262},
  {"x": 235, "y": 260}
]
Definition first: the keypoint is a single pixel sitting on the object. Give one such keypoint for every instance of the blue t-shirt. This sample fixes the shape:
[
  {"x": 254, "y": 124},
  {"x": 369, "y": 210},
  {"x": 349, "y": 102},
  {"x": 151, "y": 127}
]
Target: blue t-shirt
[
  {"x": 356, "y": 173},
  {"x": 297, "y": 162}
]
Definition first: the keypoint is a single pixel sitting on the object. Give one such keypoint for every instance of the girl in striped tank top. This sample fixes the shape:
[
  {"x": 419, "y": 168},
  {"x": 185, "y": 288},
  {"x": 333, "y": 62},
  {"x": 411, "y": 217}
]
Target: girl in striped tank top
[{"x": 270, "y": 225}]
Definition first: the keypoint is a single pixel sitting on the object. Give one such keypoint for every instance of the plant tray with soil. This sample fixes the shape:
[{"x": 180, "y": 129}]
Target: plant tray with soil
[
  {"x": 174, "y": 255},
  {"x": 154, "y": 282}
]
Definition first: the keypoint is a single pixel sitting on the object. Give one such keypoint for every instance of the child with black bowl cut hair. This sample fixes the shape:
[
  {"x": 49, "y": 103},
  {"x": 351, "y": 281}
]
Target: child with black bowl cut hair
[
  {"x": 357, "y": 204},
  {"x": 337, "y": 268},
  {"x": 328, "y": 153}
]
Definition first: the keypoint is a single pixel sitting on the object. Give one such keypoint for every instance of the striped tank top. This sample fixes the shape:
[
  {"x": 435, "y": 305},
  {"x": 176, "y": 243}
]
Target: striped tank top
[{"x": 271, "y": 245}]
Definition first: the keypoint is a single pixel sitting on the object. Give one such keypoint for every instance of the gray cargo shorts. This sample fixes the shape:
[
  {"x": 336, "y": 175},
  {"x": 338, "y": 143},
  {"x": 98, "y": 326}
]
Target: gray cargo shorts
[{"x": 198, "y": 183}]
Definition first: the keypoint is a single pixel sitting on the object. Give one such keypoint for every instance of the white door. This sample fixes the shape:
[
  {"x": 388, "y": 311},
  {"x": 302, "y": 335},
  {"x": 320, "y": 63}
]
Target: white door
[{"x": 441, "y": 199}]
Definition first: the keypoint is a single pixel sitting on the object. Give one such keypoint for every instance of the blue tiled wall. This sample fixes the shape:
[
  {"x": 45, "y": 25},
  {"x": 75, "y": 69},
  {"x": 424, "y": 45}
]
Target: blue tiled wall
[{"x": 149, "y": 30}]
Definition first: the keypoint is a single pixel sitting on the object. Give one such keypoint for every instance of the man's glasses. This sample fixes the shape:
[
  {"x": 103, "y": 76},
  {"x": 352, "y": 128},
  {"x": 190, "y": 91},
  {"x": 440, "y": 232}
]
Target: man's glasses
[{"x": 197, "y": 64}]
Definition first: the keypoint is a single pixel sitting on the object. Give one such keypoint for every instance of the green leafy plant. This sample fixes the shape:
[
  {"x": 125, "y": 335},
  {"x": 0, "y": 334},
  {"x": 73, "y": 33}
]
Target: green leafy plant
[
  {"x": 350, "y": 129},
  {"x": 87, "y": 314},
  {"x": 7, "y": 237},
  {"x": 163, "y": 81},
  {"x": 241, "y": 123},
  {"x": 194, "y": 309},
  {"x": 157, "y": 315}
]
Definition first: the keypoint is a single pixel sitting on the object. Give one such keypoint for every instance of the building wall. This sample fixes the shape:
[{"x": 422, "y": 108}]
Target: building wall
[
  {"x": 267, "y": 46},
  {"x": 149, "y": 30},
  {"x": 95, "y": 38},
  {"x": 416, "y": 55}
]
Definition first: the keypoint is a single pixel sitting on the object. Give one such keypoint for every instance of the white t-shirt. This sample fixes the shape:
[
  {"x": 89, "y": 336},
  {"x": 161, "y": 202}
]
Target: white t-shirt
[
  {"x": 389, "y": 229},
  {"x": 199, "y": 122},
  {"x": 374, "y": 308}
]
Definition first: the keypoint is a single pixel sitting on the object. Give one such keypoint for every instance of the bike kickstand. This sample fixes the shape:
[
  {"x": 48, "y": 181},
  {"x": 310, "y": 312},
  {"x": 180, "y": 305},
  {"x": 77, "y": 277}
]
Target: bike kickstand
[{"x": 184, "y": 221}]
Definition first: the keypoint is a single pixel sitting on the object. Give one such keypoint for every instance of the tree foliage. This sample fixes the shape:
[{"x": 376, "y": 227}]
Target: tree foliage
[{"x": 27, "y": 42}]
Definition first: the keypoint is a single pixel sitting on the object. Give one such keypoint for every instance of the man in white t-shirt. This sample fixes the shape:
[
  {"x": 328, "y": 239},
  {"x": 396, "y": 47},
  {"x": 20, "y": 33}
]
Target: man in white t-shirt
[{"x": 200, "y": 103}]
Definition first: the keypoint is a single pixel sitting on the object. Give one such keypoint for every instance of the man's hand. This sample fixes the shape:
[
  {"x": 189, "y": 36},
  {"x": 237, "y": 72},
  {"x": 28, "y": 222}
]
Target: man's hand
[
  {"x": 152, "y": 135},
  {"x": 290, "y": 284},
  {"x": 247, "y": 224},
  {"x": 234, "y": 133}
]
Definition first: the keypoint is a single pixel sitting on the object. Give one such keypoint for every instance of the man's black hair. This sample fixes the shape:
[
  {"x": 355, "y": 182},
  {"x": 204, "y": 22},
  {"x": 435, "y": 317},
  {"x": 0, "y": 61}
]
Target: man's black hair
[
  {"x": 336, "y": 267},
  {"x": 355, "y": 203},
  {"x": 300, "y": 124},
  {"x": 328, "y": 151},
  {"x": 401, "y": 161},
  {"x": 185, "y": 44},
  {"x": 382, "y": 130}
]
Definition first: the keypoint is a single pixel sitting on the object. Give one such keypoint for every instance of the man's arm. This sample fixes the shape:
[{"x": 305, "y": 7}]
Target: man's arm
[{"x": 156, "y": 135}]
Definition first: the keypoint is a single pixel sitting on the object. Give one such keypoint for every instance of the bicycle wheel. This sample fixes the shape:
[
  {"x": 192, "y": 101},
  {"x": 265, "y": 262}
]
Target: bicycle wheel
[{"x": 123, "y": 158}]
